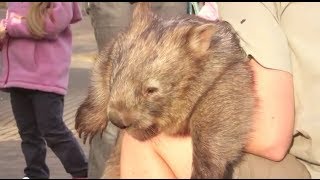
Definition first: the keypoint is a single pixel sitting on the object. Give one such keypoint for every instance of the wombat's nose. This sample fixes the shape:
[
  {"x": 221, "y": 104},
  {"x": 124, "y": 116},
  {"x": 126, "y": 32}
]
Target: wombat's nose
[{"x": 117, "y": 120}]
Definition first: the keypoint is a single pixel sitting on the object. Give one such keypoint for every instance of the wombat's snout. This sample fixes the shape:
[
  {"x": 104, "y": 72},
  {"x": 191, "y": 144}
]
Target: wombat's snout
[{"x": 118, "y": 119}]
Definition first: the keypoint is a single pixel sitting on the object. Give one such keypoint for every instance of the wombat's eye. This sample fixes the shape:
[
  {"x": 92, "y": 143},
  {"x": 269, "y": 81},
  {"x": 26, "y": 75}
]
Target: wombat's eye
[{"x": 151, "y": 90}]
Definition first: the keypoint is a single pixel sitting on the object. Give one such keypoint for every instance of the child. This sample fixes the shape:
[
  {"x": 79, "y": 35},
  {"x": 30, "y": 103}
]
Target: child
[{"x": 36, "y": 54}]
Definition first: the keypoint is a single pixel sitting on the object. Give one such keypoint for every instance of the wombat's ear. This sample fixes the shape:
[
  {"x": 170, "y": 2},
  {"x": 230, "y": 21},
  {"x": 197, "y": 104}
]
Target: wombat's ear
[
  {"x": 199, "y": 38},
  {"x": 142, "y": 12}
]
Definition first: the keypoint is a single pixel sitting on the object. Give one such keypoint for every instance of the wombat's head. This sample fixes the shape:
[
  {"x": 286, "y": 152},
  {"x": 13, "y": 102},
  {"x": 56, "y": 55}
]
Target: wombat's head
[{"x": 155, "y": 63}]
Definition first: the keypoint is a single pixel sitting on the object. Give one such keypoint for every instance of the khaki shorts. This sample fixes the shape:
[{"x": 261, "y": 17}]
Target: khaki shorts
[
  {"x": 285, "y": 36},
  {"x": 254, "y": 167}
]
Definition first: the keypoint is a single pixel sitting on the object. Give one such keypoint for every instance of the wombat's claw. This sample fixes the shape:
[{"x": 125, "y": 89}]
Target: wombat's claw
[
  {"x": 101, "y": 133},
  {"x": 91, "y": 137},
  {"x": 82, "y": 134},
  {"x": 94, "y": 133},
  {"x": 79, "y": 132},
  {"x": 86, "y": 135},
  {"x": 89, "y": 132},
  {"x": 85, "y": 138}
]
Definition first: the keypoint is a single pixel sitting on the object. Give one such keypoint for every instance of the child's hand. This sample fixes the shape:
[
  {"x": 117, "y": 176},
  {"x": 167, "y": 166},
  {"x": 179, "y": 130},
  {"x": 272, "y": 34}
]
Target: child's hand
[
  {"x": 18, "y": 16},
  {"x": 2, "y": 30}
]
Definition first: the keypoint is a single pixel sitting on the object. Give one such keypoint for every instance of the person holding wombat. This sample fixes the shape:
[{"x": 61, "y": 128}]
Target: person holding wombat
[
  {"x": 282, "y": 39},
  {"x": 36, "y": 55}
]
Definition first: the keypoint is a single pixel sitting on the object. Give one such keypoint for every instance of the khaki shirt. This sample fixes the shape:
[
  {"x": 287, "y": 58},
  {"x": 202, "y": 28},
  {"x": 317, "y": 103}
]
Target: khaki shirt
[{"x": 286, "y": 36}]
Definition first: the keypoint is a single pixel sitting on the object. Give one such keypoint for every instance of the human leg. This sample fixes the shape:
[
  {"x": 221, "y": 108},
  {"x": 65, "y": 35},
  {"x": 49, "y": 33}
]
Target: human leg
[
  {"x": 49, "y": 115},
  {"x": 33, "y": 144}
]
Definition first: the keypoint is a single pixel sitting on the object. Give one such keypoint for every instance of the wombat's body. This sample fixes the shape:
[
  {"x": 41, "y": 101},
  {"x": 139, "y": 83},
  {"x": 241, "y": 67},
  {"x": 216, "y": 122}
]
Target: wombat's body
[{"x": 183, "y": 76}]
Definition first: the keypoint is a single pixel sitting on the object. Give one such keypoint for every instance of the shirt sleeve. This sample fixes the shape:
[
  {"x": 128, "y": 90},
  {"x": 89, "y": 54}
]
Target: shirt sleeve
[{"x": 260, "y": 32}]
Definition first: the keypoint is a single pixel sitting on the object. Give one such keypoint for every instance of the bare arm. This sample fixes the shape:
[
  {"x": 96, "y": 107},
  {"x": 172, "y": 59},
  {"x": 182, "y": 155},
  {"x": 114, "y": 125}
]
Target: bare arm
[
  {"x": 139, "y": 160},
  {"x": 274, "y": 121}
]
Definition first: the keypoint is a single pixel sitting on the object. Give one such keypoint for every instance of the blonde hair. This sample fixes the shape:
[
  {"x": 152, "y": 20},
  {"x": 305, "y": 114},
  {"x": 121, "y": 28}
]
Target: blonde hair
[{"x": 35, "y": 18}]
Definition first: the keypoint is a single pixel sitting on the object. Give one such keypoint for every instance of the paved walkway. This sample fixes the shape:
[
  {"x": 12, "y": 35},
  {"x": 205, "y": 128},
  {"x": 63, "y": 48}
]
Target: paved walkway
[{"x": 11, "y": 158}]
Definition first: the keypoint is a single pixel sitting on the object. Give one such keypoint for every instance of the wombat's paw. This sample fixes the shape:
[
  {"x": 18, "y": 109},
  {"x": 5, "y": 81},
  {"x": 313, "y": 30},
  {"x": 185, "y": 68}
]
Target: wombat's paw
[
  {"x": 88, "y": 129},
  {"x": 88, "y": 123},
  {"x": 196, "y": 175},
  {"x": 209, "y": 172}
]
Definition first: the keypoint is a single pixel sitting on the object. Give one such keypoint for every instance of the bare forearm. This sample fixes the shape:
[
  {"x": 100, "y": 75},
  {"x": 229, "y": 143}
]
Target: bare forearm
[
  {"x": 139, "y": 160},
  {"x": 274, "y": 118}
]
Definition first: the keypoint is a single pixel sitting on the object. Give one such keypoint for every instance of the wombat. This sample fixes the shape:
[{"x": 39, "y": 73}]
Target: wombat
[{"x": 184, "y": 76}]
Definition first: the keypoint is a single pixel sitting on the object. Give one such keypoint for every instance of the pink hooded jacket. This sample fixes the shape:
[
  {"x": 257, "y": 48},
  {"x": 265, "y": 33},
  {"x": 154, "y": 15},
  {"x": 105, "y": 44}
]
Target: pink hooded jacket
[{"x": 38, "y": 64}]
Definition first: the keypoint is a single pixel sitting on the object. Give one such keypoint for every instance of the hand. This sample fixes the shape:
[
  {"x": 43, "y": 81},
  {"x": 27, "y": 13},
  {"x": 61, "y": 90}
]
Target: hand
[
  {"x": 2, "y": 30},
  {"x": 168, "y": 157},
  {"x": 18, "y": 16}
]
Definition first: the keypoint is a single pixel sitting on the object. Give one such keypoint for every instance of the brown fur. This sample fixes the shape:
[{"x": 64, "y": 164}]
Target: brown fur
[{"x": 182, "y": 76}]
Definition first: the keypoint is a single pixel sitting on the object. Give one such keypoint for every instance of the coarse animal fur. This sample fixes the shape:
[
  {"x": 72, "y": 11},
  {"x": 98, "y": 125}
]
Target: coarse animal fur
[{"x": 181, "y": 76}]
